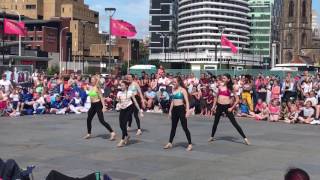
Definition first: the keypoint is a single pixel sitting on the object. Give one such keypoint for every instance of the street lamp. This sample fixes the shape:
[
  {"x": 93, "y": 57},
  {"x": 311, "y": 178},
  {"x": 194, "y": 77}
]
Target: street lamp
[
  {"x": 111, "y": 12},
  {"x": 83, "y": 34},
  {"x": 61, "y": 50},
  {"x": 221, "y": 30},
  {"x": 163, "y": 36}
]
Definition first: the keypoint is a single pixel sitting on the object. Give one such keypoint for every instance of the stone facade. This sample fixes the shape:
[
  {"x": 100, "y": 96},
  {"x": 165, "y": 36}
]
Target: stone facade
[{"x": 297, "y": 40}]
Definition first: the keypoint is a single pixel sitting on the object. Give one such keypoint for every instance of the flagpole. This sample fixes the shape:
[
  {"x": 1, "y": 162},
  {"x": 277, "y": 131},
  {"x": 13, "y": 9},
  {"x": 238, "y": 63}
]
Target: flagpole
[{"x": 221, "y": 29}]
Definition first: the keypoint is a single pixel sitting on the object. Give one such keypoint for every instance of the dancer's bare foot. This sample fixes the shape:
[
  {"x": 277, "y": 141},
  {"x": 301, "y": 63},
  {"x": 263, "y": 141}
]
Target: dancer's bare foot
[
  {"x": 113, "y": 136},
  {"x": 168, "y": 146},
  {"x": 88, "y": 136},
  {"x": 189, "y": 148},
  {"x": 246, "y": 141}
]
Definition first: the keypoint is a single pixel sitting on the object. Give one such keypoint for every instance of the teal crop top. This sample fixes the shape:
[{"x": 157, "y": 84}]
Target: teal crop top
[{"x": 178, "y": 95}]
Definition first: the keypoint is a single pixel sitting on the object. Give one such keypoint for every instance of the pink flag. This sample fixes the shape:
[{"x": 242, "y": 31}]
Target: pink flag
[
  {"x": 14, "y": 27},
  {"x": 122, "y": 28},
  {"x": 226, "y": 42}
]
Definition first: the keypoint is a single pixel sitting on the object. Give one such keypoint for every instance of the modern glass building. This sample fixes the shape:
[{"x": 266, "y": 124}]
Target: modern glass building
[{"x": 261, "y": 30}]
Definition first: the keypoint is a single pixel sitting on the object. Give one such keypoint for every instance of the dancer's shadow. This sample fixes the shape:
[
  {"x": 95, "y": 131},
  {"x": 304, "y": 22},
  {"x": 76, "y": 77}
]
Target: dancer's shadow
[
  {"x": 182, "y": 144},
  {"x": 103, "y": 136},
  {"x": 134, "y": 141},
  {"x": 135, "y": 130},
  {"x": 229, "y": 138}
]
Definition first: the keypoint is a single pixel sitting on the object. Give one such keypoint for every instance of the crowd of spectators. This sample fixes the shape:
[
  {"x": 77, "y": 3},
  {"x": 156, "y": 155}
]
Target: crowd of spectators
[{"x": 291, "y": 99}]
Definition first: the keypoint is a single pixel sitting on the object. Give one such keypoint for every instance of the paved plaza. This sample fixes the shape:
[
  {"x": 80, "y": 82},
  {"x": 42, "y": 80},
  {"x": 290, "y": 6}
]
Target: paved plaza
[{"x": 54, "y": 142}]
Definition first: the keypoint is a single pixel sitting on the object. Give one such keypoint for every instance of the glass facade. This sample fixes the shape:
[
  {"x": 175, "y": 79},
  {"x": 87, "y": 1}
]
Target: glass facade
[{"x": 261, "y": 13}]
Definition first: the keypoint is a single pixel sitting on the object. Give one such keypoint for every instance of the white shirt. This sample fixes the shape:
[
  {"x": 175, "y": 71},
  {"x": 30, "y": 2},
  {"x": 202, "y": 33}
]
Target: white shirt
[
  {"x": 314, "y": 101},
  {"x": 14, "y": 97},
  {"x": 163, "y": 82},
  {"x": 124, "y": 99},
  {"x": 6, "y": 84}
]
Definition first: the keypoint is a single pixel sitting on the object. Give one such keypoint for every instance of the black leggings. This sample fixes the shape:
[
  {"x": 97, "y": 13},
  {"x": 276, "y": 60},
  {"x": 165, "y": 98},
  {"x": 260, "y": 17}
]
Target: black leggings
[
  {"x": 135, "y": 112},
  {"x": 123, "y": 120},
  {"x": 224, "y": 108},
  {"x": 179, "y": 113},
  {"x": 96, "y": 108},
  {"x": 54, "y": 175}
]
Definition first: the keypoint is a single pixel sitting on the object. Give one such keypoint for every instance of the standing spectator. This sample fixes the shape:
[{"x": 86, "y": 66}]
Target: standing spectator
[{"x": 6, "y": 83}]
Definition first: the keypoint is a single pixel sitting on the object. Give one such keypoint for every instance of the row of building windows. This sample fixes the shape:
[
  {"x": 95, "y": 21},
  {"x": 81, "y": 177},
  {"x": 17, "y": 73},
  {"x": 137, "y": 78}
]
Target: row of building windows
[
  {"x": 216, "y": 7},
  {"x": 213, "y": 13},
  {"x": 214, "y": 19},
  {"x": 216, "y": 1}
]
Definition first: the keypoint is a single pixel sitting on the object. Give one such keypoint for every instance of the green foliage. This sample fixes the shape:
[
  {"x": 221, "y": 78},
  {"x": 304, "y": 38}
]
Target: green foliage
[{"x": 53, "y": 69}]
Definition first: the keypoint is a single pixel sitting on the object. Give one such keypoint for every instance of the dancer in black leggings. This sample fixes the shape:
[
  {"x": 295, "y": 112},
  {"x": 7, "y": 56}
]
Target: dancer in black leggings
[
  {"x": 136, "y": 90},
  {"x": 179, "y": 110},
  {"x": 126, "y": 103},
  {"x": 223, "y": 104},
  {"x": 97, "y": 107}
]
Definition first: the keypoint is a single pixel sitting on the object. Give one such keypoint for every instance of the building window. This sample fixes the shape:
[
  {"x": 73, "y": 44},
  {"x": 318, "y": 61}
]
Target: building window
[
  {"x": 289, "y": 40},
  {"x": 304, "y": 6},
  {"x": 288, "y": 56},
  {"x": 291, "y": 8},
  {"x": 62, "y": 10},
  {"x": 31, "y": 6},
  {"x": 304, "y": 40}
]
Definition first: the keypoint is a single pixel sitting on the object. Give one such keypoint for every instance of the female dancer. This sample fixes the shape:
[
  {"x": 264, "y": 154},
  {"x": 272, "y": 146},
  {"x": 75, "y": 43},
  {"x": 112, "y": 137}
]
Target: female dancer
[
  {"x": 136, "y": 90},
  {"x": 97, "y": 106},
  {"x": 125, "y": 98},
  {"x": 179, "y": 110},
  {"x": 223, "y": 103}
]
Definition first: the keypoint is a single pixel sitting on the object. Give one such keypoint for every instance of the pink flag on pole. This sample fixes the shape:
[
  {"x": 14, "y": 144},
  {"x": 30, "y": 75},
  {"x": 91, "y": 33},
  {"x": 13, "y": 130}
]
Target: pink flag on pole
[
  {"x": 122, "y": 28},
  {"x": 226, "y": 42},
  {"x": 14, "y": 28}
]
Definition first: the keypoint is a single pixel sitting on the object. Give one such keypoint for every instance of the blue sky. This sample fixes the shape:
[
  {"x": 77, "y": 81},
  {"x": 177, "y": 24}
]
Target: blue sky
[{"x": 136, "y": 12}]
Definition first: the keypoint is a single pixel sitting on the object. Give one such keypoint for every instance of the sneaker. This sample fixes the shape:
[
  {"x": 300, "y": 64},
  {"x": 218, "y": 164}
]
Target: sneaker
[
  {"x": 315, "y": 122},
  {"x": 139, "y": 132}
]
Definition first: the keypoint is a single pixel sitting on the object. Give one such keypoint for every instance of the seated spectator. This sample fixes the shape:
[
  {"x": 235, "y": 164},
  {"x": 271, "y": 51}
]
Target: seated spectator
[
  {"x": 311, "y": 96},
  {"x": 307, "y": 113},
  {"x": 76, "y": 105},
  {"x": 244, "y": 109},
  {"x": 259, "y": 106},
  {"x": 262, "y": 114},
  {"x": 274, "y": 109},
  {"x": 164, "y": 100},
  {"x": 150, "y": 97},
  {"x": 26, "y": 101},
  {"x": 293, "y": 114},
  {"x": 57, "y": 107},
  {"x": 14, "y": 98},
  {"x": 39, "y": 104}
]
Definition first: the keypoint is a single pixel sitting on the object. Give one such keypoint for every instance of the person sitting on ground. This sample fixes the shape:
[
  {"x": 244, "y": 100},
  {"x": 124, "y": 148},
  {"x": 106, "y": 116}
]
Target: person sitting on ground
[
  {"x": 274, "y": 109},
  {"x": 293, "y": 114},
  {"x": 164, "y": 100},
  {"x": 39, "y": 104},
  {"x": 244, "y": 109},
  {"x": 210, "y": 100},
  {"x": 150, "y": 97},
  {"x": 76, "y": 104},
  {"x": 14, "y": 98},
  {"x": 311, "y": 96},
  {"x": 307, "y": 113},
  {"x": 262, "y": 114},
  {"x": 57, "y": 107},
  {"x": 26, "y": 101}
]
